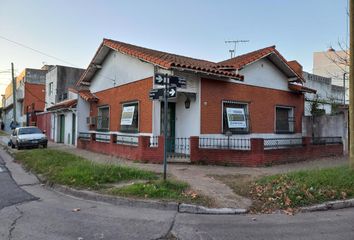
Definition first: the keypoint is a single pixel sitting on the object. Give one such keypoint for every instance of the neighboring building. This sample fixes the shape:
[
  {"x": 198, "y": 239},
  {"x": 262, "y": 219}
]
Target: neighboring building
[
  {"x": 59, "y": 119},
  {"x": 255, "y": 95},
  {"x": 328, "y": 95},
  {"x": 333, "y": 64},
  {"x": 30, "y": 98}
]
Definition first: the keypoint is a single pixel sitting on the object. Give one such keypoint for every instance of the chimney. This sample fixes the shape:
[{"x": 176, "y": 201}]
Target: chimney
[{"x": 296, "y": 66}]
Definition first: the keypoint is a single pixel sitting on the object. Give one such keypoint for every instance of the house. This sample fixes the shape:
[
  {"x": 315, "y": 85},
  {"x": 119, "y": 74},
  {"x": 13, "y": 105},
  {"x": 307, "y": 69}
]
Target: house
[
  {"x": 59, "y": 119},
  {"x": 30, "y": 98},
  {"x": 328, "y": 96},
  {"x": 253, "y": 96}
]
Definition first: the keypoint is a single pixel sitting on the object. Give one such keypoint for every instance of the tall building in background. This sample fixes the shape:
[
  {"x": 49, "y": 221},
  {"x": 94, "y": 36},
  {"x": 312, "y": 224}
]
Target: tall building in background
[{"x": 333, "y": 64}]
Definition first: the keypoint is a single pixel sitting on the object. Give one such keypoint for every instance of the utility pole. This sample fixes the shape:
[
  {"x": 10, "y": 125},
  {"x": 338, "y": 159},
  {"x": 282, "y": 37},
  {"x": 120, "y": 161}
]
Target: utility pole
[
  {"x": 14, "y": 93},
  {"x": 235, "y": 42},
  {"x": 344, "y": 74},
  {"x": 351, "y": 84},
  {"x": 165, "y": 102}
]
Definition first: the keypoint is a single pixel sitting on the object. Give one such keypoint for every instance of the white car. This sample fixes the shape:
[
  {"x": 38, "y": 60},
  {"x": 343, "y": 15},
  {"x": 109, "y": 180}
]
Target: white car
[{"x": 23, "y": 137}]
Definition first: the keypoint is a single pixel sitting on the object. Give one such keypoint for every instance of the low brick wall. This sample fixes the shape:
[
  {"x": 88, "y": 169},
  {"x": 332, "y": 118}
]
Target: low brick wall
[
  {"x": 255, "y": 156},
  {"x": 142, "y": 152}
]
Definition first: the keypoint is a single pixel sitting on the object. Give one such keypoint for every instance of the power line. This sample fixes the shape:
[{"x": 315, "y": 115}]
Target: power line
[{"x": 38, "y": 51}]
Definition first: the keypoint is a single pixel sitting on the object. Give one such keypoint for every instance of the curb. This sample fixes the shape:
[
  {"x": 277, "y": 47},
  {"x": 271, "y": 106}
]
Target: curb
[
  {"x": 196, "y": 209},
  {"x": 333, "y": 205}
]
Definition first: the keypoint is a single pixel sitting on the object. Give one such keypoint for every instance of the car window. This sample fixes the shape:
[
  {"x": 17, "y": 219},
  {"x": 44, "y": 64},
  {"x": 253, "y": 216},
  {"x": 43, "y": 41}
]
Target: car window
[{"x": 23, "y": 131}]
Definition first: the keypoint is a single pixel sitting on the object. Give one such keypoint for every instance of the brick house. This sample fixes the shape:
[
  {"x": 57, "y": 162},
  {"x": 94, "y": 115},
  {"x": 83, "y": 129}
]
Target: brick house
[{"x": 253, "y": 96}]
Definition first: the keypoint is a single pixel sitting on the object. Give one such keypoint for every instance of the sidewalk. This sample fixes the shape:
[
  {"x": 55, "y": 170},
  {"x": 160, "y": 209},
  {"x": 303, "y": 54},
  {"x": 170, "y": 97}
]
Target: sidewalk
[{"x": 198, "y": 176}]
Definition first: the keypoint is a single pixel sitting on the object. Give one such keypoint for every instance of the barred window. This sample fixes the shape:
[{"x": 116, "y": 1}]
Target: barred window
[{"x": 103, "y": 119}]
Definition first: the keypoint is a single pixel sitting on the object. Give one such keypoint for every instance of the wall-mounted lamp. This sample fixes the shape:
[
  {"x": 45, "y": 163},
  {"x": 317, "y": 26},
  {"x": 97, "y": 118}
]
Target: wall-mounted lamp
[{"x": 187, "y": 103}]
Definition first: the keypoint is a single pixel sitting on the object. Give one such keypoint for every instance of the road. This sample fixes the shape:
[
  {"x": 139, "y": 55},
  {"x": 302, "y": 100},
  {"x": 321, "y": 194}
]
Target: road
[{"x": 29, "y": 211}]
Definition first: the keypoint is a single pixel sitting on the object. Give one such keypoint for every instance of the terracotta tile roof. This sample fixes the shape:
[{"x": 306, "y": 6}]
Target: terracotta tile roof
[
  {"x": 300, "y": 88},
  {"x": 163, "y": 59},
  {"x": 63, "y": 105},
  {"x": 245, "y": 59},
  {"x": 88, "y": 96},
  {"x": 241, "y": 61}
]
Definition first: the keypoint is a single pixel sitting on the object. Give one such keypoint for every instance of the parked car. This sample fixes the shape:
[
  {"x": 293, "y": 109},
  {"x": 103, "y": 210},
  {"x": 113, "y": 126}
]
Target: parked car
[{"x": 23, "y": 137}]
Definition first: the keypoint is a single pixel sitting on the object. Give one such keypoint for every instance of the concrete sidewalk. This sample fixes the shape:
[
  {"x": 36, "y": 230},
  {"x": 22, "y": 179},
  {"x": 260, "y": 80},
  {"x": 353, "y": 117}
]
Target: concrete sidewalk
[{"x": 199, "y": 176}]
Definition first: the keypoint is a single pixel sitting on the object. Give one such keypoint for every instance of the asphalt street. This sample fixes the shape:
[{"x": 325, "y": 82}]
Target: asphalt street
[{"x": 32, "y": 211}]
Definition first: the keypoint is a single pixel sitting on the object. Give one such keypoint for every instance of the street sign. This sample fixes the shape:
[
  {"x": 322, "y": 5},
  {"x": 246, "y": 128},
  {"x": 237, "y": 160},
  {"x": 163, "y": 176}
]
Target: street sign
[
  {"x": 160, "y": 79},
  {"x": 172, "y": 92},
  {"x": 156, "y": 94},
  {"x": 178, "y": 82}
]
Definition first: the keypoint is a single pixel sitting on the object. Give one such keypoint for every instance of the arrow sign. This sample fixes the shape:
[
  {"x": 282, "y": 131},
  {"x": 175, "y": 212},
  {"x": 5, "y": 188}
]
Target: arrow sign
[
  {"x": 172, "y": 92},
  {"x": 160, "y": 79},
  {"x": 156, "y": 94}
]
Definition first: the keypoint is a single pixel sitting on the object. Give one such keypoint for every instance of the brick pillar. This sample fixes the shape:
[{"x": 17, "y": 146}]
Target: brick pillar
[
  {"x": 143, "y": 146},
  {"x": 113, "y": 138},
  {"x": 161, "y": 143},
  {"x": 306, "y": 141},
  {"x": 194, "y": 149},
  {"x": 257, "y": 151}
]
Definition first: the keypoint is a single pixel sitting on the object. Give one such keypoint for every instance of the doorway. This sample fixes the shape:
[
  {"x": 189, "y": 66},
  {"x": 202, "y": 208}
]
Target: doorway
[
  {"x": 171, "y": 125},
  {"x": 61, "y": 128},
  {"x": 73, "y": 134}
]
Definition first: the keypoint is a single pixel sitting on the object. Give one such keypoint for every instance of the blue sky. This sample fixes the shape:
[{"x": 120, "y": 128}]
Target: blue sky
[{"x": 73, "y": 29}]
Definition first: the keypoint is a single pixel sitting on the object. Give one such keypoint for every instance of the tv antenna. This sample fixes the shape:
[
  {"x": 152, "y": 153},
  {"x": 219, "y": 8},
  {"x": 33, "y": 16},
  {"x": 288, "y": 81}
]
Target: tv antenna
[{"x": 235, "y": 42}]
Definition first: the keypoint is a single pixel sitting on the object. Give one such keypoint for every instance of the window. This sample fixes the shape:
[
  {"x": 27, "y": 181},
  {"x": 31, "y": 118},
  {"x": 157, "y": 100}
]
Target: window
[
  {"x": 50, "y": 89},
  {"x": 129, "y": 121},
  {"x": 103, "y": 119},
  {"x": 235, "y": 117},
  {"x": 284, "y": 120}
]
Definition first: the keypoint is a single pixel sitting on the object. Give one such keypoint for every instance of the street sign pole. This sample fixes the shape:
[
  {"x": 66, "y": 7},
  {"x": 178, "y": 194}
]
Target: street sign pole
[{"x": 165, "y": 128}]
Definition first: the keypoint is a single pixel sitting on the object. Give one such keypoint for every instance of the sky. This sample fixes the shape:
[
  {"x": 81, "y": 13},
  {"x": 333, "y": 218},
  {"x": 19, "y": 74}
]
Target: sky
[{"x": 72, "y": 30}]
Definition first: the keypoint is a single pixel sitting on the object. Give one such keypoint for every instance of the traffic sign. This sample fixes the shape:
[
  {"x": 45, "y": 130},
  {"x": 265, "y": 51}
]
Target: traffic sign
[
  {"x": 160, "y": 79},
  {"x": 157, "y": 93},
  {"x": 178, "y": 81}
]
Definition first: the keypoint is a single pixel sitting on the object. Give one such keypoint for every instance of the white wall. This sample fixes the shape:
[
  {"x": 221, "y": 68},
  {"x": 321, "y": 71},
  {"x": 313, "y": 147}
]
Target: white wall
[
  {"x": 68, "y": 127},
  {"x": 51, "y": 76},
  {"x": 83, "y": 111},
  {"x": 264, "y": 73},
  {"x": 118, "y": 69}
]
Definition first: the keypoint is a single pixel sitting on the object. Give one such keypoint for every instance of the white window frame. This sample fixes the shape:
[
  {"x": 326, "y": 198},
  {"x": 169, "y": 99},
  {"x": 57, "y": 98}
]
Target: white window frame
[{"x": 50, "y": 86}]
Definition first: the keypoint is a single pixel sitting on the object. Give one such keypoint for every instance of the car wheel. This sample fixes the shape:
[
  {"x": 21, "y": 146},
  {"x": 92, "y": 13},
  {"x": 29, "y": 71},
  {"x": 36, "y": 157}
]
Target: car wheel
[{"x": 18, "y": 146}]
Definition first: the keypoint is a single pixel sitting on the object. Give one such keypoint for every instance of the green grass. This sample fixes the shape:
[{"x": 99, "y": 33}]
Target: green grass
[
  {"x": 163, "y": 190},
  {"x": 71, "y": 170},
  {"x": 303, "y": 188}
]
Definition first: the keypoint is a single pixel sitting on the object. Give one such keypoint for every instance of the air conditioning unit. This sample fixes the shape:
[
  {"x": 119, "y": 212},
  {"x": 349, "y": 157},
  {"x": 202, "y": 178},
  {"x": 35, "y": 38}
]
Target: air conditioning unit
[{"x": 91, "y": 120}]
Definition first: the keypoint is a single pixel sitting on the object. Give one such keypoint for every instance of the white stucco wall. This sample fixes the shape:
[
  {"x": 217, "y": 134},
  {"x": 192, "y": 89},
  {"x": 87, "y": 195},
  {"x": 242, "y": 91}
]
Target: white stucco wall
[
  {"x": 83, "y": 110},
  {"x": 264, "y": 73},
  {"x": 51, "y": 77},
  {"x": 118, "y": 69},
  {"x": 68, "y": 127}
]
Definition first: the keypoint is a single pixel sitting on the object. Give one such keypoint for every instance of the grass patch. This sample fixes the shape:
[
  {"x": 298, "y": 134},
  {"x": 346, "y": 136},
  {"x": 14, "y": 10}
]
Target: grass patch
[
  {"x": 292, "y": 190},
  {"x": 163, "y": 190},
  {"x": 71, "y": 170}
]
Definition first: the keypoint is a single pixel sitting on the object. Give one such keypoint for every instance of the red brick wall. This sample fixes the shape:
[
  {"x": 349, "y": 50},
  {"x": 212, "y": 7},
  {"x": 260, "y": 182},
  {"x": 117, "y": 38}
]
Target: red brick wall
[
  {"x": 44, "y": 123},
  {"x": 34, "y": 94},
  {"x": 142, "y": 152},
  {"x": 114, "y": 97},
  {"x": 262, "y": 102}
]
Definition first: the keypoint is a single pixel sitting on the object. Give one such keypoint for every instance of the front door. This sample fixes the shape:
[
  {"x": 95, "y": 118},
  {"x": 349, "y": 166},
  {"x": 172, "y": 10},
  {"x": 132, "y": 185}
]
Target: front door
[
  {"x": 171, "y": 125},
  {"x": 61, "y": 128}
]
